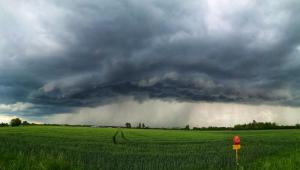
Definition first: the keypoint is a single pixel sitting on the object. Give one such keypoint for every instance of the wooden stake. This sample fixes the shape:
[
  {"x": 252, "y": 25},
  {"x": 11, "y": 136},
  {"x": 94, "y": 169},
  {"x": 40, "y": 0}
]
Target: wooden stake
[{"x": 236, "y": 157}]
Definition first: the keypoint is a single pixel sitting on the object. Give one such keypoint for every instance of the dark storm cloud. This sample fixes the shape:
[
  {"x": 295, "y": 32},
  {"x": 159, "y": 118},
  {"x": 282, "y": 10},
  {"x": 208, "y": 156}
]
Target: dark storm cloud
[{"x": 64, "y": 54}]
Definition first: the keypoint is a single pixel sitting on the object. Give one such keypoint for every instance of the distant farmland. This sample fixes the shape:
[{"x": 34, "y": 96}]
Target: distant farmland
[{"x": 54, "y": 147}]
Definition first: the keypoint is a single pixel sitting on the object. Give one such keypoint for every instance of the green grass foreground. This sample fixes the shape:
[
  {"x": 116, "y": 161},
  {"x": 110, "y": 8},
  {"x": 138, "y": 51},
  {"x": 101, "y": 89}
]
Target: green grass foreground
[{"x": 51, "y": 147}]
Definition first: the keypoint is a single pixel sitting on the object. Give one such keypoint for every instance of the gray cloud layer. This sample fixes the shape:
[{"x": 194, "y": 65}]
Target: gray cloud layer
[{"x": 61, "y": 55}]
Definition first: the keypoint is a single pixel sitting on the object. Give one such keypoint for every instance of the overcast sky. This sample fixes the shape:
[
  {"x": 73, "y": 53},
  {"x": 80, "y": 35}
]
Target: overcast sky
[{"x": 168, "y": 62}]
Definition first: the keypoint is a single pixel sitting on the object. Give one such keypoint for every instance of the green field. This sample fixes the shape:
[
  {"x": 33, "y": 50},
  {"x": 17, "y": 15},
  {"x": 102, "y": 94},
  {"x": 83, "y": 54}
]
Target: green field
[{"x": 53, "y": 147}]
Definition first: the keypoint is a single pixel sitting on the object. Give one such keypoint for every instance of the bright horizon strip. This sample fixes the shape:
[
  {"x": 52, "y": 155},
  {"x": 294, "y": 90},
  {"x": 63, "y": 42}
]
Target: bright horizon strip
[{"x": 157, "y": 113}]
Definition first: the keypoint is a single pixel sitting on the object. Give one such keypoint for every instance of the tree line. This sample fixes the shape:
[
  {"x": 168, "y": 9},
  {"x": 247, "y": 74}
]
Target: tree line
[
  {"x": 247, "y": 126},
  {"x": 264, "y": 125},
  {"x": 16, "y": 122},
  {"x": 252, "y": 126}
]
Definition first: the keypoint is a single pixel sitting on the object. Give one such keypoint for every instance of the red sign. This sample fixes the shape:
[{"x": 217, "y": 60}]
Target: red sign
[{"x": 236, "y": 140}]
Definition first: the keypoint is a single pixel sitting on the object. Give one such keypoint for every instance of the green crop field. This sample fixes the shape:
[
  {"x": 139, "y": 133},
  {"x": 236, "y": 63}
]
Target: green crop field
[{"x": 58, "y": 147}]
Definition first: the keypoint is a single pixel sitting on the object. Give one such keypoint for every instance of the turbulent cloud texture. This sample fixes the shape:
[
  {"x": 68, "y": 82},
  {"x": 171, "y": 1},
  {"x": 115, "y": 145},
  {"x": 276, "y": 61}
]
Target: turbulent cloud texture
[{"x": 62, "y": 55}]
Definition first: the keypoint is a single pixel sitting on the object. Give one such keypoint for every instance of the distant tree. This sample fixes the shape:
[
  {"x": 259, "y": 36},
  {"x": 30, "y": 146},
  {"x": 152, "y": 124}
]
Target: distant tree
[
  {"x": 15, "y": 122},
  {"x": 128, "y": 125},
  {"x": 143, "y": 126},
  {"x": 139, "y": 126},
  {"x": 3, "y": 124},
  {"x": 259, "y": 125},
  {"x": 187, "y": 127},
  {"x": 25, "y": 123}
]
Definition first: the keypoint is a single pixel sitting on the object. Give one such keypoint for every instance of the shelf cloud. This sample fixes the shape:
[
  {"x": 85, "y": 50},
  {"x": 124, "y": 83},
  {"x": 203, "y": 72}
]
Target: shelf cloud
[{"x": 61, "y": 56}]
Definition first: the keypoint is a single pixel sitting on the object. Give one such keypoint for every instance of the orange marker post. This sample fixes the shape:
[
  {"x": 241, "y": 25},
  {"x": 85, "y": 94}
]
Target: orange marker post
[{"x": 236, "y": 146}]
